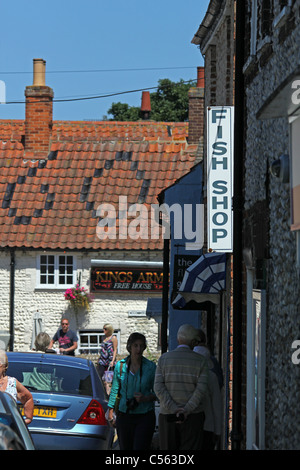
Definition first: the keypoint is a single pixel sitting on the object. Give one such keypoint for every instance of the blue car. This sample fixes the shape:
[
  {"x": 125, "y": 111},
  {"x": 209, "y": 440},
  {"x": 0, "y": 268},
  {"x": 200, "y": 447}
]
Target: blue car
[{"x": 69, "y": 401}]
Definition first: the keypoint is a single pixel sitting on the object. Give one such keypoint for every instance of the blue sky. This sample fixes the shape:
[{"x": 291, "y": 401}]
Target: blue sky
[{"x": 110, "y": 37}]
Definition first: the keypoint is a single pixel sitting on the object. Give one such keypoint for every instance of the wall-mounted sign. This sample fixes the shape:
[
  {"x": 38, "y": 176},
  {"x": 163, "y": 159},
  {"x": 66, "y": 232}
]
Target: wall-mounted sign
[
  {"x": 220, "y": 145},
  {"x": 181, "y": 263},
  {"x": 295, "y": 174},
  {"x": 105, "y": 279}
]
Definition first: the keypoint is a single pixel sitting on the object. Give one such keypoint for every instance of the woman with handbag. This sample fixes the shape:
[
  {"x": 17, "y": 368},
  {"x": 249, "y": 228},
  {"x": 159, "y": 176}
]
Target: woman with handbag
[
  {"x": 108, "y": 352},
  {"x": 133, "y": 381}
]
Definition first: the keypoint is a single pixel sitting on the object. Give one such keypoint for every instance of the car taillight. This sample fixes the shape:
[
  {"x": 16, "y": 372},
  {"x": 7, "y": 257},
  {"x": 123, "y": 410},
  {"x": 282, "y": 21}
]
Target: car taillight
[{"x": 94, "y": 414}]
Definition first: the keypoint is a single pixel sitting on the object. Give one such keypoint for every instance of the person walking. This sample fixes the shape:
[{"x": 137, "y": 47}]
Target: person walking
[
  {"x": 134, "y": 376},
  {"x": 67, "y": 339},
  {"x": 217, "y": 369},
  {"x": 181, "y": 385},
  {"x": 107, "y": 359},
  {"x": 212, "y": 405},
  {"x": 108, "y": 349}
]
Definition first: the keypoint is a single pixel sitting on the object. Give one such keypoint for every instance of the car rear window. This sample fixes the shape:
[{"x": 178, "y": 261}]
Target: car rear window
[{"x": 52, "y": 378}]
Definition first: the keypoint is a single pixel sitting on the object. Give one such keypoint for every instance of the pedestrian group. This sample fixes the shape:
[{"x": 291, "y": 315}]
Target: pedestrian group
[
  {"x": 186, "y": 382},
  {"x": 186, "y": 385}
]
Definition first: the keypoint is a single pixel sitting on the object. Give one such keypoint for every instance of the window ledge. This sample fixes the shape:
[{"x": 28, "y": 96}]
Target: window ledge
[
  {"x": 263, "y": 43},
  {"x": 56, "y": 288},
  {"x": 137, "y": 313},
  {"x": 249, "y": 64},
  {"x": 282, "y": 17}
]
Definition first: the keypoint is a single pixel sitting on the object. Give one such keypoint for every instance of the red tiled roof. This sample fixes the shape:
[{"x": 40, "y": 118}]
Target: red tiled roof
[
  {"x": 52, "y": 203},
  {"x": 89, "y": 131},
  {"x": 111, "y": 130}
]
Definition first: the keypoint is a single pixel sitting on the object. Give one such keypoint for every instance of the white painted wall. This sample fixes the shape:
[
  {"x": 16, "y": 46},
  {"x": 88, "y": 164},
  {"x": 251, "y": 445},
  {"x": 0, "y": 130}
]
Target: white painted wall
[{"x": 111, "y": 307}]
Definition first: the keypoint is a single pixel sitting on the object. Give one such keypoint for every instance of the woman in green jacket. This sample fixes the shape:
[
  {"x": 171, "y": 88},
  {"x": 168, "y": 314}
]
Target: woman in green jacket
[{"x": 135, "y": 420}]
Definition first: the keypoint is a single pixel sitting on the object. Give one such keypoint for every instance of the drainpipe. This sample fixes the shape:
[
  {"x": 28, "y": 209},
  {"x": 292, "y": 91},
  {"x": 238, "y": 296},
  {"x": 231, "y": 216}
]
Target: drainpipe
[
  {"x": 165, "y": 292},
  {"x": 236, "y": 435},
  {"x": 12, "y": 300},
  {"x": 165, "y": 298},
  {"x": 250, "y": 421}
]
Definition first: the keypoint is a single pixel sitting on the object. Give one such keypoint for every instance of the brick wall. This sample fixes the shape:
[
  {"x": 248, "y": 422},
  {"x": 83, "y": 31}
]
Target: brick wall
[
  {"x": 38, "y": 120},
  {"x": 196, "y": 115},
  {"x": 219, "y": 66},
  {"x": 197, "y": 112}
]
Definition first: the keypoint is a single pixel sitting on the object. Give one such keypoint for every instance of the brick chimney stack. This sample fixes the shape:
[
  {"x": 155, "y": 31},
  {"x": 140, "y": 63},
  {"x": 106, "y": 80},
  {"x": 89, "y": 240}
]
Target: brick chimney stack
[
  {"x": 38, "y": 113},
  {"x": 146, "y": 105},
  {"x": 196, "y": 110}
]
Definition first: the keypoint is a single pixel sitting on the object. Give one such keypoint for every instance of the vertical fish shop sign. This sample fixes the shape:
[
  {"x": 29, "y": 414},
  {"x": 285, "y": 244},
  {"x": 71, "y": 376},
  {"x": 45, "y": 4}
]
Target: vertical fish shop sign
[{"x": 220, "y": 130}]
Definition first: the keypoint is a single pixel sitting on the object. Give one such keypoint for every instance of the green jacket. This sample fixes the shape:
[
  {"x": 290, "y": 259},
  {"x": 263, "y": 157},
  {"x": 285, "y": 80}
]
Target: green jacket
[{"x": 131, "y": 384}]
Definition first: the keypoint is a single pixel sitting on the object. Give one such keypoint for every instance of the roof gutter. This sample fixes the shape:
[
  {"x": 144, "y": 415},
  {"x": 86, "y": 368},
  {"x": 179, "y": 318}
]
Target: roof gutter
[{"x": 206, "y": 26}]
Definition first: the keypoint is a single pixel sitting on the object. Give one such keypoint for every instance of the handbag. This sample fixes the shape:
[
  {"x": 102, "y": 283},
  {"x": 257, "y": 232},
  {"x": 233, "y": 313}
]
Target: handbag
[
  {"x": 118, "y": 397},
  {"x": 108, "y": 376}
]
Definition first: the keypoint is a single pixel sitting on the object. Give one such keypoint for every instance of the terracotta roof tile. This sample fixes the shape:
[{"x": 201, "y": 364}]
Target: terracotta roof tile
[{"x": 53, "y": 203}]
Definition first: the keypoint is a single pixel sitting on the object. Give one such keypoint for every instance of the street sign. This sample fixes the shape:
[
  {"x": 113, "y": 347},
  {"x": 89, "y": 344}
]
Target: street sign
[{"x": 220, "y": 146}]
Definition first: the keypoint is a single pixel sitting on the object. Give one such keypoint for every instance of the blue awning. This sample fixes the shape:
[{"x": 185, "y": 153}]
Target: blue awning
[
  {"x": 154, "y": 308},
  {"x": 203, "y": 281}
]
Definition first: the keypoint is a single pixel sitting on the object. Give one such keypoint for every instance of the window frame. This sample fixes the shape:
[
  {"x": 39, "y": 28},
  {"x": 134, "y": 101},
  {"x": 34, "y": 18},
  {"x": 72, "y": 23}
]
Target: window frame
[
  {"x": 90, "y": 332},
  {"x": 283, "y": 13},
  {"x": 253, "y": 31},
  {"x": 256, "y": 368},
  {"x": 56, "y": 285}
]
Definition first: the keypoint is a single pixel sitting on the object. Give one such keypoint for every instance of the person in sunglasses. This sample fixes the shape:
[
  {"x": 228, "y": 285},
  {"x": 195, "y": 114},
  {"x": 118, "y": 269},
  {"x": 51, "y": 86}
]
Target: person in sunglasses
[{"x": 67, "y": 339}]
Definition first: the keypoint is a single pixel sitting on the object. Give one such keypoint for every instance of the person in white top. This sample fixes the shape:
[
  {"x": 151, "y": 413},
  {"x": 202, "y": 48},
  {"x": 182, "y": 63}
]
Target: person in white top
[
  {"x": 15, "y": 388},
  {"x": 212, "y": 405}
]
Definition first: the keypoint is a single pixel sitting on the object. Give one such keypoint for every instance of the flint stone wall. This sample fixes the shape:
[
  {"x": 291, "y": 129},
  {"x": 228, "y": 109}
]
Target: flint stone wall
[{"x": 265, "y": 142}]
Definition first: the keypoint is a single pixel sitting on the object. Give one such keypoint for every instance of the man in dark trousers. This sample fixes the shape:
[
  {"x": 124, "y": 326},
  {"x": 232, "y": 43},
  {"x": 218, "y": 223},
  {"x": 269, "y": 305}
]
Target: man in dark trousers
[
  {"x": 181, "y": 384},
  {"x": 66, "y": 338}
]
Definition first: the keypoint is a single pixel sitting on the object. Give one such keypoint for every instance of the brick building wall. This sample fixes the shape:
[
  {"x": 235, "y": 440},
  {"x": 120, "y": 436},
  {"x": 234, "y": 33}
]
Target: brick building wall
[{"x": 38, "y": 120}]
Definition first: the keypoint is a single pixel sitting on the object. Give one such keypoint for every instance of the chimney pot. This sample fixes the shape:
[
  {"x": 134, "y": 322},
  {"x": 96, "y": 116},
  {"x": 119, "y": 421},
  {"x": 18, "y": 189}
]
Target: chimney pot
[
  {"x": 39, "y": 71},
  {"x": 146, "y": 105},
  {"x": 200, "y": 77}
]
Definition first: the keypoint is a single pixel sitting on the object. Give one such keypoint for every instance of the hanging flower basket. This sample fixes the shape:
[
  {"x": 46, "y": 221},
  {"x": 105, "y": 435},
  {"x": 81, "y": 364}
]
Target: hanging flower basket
[{"x": 78, "y": 297}]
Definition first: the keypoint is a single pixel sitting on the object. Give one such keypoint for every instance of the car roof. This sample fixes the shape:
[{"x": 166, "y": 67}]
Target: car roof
[{"x": 71, "y": 361}]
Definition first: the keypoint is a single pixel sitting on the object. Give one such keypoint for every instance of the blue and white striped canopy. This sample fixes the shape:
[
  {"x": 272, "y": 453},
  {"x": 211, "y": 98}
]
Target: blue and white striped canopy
[{"x": 203, "y": 280}]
